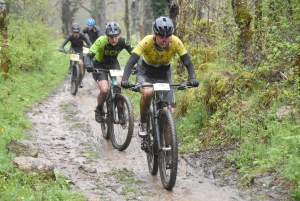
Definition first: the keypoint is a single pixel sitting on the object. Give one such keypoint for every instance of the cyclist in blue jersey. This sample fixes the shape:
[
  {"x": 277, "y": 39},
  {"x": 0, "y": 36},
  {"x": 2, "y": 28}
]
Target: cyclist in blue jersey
[{"x": 92, "y": 30}]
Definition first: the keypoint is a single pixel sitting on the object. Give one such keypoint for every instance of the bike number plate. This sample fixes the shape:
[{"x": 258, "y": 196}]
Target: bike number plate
[
  {"x": 85, "y": 50},
  {"x": 74, "y": 57},
  {"x": 116, "y": 72},
  {"x": 161, "y": 87}
]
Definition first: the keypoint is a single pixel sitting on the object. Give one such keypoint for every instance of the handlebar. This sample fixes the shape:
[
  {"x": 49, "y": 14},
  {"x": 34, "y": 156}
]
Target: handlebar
[
  {"x": 180, "y": 86},
  {"x": 96, "y": 70}
]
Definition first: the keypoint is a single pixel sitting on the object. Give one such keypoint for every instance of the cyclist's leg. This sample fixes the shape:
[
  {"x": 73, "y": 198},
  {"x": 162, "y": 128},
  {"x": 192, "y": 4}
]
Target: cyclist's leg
[
  {"x": 102, "y": 82},
  {"x": 143, "y": 77}
]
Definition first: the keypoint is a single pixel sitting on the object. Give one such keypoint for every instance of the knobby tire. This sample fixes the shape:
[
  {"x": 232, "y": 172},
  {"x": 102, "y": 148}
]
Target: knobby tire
[
  {"x": 152, "y": 157},
  {"x": 168, "y": 138},
  {"x": 107, "y": 124},
  {"x": 75, "y": 79},
  {"x": 122, "y": 133}
]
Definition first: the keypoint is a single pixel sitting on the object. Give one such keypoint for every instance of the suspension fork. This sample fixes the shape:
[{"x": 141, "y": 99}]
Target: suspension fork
[{"x": 112, "y": 102}]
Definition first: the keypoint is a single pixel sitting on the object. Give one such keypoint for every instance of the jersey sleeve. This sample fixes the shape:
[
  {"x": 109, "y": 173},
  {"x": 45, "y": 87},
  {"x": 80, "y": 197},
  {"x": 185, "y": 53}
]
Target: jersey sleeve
[
  {"x": 65, "y": 41},
  {"x": 178, "y": 45},
  {"x": 86, "y": 40},
  {"x": 142, "y": 45}
]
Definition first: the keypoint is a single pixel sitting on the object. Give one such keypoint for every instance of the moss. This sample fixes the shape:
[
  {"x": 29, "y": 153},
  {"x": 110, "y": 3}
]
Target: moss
[{"x": 244, "y": 80}]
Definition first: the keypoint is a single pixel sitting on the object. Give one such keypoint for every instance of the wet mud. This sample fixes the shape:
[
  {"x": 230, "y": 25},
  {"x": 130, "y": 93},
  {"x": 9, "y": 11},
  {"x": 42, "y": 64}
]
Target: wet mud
[{"x": 66, "y": 133}]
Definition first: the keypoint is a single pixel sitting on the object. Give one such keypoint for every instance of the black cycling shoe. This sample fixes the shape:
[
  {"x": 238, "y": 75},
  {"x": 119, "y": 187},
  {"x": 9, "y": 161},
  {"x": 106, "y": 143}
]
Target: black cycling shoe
[{"x": 99, "y": 115}]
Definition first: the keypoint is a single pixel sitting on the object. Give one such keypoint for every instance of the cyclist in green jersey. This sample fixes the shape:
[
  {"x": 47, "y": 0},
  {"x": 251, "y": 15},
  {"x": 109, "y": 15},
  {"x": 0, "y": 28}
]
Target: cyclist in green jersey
[
  {"x": 157, "y": 51},
  {"x": 104, "y": 53}
]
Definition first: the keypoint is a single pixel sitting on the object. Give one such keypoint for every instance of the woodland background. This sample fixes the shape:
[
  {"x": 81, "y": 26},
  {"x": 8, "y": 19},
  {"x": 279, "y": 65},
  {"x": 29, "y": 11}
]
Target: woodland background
[{"x": 246, "y": 54}]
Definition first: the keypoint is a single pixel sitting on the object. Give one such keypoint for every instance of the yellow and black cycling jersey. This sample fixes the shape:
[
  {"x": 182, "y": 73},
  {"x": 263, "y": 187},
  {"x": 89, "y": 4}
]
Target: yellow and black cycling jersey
[{"x": 154, "y": 57}]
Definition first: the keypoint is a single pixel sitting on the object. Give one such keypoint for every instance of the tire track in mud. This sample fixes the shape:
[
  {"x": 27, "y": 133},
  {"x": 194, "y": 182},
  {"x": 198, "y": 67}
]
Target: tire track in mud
[{"x": 65, "y": 132}]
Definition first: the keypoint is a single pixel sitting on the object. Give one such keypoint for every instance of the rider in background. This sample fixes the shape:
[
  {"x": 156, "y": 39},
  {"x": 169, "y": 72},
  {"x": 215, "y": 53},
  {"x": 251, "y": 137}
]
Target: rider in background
[
  {"x": 76, "y": 38},
  {"x": 105, "y": 51},
  {"x": 157, "y": 51},
  {"x": 92, "y": 30}
]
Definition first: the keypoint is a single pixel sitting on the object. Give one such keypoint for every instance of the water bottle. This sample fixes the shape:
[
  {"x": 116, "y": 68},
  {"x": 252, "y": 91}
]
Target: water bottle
[{"x": 114, "y": 81}]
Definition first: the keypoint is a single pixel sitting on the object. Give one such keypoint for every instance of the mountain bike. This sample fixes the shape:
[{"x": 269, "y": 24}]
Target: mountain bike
[
  {"x": 161, "y": 144},
  {"x": 74, "y": 70},
  {"x": 118, "y": 123}
]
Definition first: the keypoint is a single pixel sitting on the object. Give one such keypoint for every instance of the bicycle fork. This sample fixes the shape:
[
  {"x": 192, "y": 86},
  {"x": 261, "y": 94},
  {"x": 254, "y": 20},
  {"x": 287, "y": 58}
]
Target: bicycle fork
[{"x": 113, "y": 105}]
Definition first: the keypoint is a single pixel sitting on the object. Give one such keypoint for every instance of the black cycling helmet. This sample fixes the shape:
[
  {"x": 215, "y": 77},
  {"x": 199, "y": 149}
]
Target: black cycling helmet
[
  {"x": 75, "y": 28},
  {"x": 163, "y": 26},
  {"x": 112, "y": 28}
]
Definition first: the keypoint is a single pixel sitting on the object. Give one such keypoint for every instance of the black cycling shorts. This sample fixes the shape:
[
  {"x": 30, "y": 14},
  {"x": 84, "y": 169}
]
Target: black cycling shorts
[
  {"x": 147, "y": 73},
  {"x": 103, "y": 75}
]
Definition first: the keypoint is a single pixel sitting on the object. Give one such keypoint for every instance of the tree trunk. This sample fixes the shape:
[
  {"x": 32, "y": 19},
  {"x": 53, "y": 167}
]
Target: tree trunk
[
  {"x": 147, "y": 18},
  {"x": 101, "y": 15},
  {"x": 4, "y": 59},
  {"x": 135, "y": 11},
  {"x": 173, "y": 12},
  {"x": 243, "y": 19},
  {"x": 68, "y": 10},
  {"x": 126, "y": 21}
]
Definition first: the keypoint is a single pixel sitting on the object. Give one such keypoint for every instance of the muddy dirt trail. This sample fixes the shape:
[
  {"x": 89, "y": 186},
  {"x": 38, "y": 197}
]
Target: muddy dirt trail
[{"x": 66, "y": 133}]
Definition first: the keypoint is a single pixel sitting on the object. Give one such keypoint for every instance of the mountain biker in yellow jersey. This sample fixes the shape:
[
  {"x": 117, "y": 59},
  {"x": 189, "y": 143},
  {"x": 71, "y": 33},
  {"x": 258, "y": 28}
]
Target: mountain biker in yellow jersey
[
  {"x": 76, "y": 38},
  {"x": 105, "y": 51},
  {"x": 157, "y": 51},
  {"x": 92, "y": 30}
]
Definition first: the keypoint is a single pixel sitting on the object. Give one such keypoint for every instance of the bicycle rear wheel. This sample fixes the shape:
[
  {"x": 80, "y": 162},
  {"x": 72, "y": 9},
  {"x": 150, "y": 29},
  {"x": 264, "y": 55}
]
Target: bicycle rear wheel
[
  {"x": 168, "y": 157},
  {"x": 107, "y": 124},
  {"x": 152, "y": 157},
  {"x": 75, "y": 79},
  {"x": 123, "y": 128}
]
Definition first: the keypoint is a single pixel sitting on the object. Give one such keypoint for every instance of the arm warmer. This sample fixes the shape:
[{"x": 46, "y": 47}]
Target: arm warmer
[
  {"x": 187, "y": 62},
  {"x": 130, "y": 63}
]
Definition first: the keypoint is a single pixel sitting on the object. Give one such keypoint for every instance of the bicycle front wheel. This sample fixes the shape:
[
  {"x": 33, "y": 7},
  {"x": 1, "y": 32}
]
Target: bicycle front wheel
[
  {"x": 75, "y": 73},
  {"x": 152, "y": 157},
  {"x": 108, "y": 122},
  {"x": 124, "y": 123},
  {"x": 168, "y": 156}
]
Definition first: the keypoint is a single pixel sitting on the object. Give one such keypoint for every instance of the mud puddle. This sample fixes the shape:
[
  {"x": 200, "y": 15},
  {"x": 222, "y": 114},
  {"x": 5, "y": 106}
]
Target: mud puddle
[{"x": 66, "y": 133}]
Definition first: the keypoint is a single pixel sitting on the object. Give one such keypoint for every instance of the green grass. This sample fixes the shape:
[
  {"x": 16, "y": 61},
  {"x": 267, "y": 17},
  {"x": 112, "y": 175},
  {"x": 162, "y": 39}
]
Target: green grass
[{"x": 18, "y": 92}]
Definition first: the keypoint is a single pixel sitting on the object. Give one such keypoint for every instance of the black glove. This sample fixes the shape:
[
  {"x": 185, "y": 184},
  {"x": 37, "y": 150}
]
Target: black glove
[
  {"x": 89, "y": 68},
  {"x": 194, "y": 82},
  {"x": 62, "y": 49},
  {"x": 125, "y": 84}
]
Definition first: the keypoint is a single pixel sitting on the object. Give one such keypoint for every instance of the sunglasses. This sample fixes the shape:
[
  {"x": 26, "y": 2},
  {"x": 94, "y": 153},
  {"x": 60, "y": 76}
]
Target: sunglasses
[{"x": 162, "y": 39}]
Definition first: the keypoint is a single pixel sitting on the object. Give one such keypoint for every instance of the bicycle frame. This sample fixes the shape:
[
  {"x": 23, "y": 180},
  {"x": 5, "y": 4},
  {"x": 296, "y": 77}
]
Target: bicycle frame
[
  {"x": 158, "y": 104},
  {"x": 113, "y": 87},
  {"x": 118, "y": 123}
]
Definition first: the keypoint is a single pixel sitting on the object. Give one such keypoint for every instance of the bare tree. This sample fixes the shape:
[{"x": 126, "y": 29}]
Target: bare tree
[
  {"x": 147, "y": 18},
  {"x": 97, "y": 11},
  {"x": 101, "y": 15},
  {"x": 126, "y": 21},
  {"x": 68, "y": 10},
  {"x": 173, "y": 11},
  {"x": 243, "y": 19},
  {"x": 135, "y": 11},
  {"x": 4, "y": 59}
]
